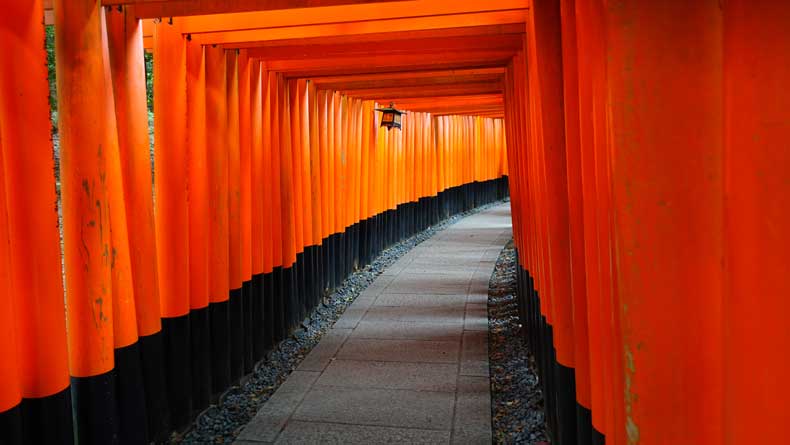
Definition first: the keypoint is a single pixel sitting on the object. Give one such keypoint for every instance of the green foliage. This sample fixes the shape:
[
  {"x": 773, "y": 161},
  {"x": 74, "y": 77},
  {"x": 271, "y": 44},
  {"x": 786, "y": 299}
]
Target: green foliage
[
  {"x": 49, "y": 45},
  {"x": 149, "y": 80}
]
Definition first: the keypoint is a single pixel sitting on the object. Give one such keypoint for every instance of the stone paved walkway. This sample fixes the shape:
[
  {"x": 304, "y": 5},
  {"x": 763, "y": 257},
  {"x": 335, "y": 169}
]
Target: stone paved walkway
[{"x": 408, "y": 360}]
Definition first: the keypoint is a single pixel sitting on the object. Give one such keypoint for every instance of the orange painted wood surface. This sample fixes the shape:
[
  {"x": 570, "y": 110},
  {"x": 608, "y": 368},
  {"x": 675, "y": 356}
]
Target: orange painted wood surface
[
  {"x": 85, "y": 111},
  {"x": 34, "y": 336},
  {"x": 198, "y": 168},
  {"x": 170, "y": 180},
  {"x": 128, "y": 79},
  {"x": 755, "y": 161}
]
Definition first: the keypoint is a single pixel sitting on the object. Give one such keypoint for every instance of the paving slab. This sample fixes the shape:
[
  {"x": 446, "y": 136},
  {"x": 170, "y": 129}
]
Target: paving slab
[
  {"x": 429, "y": 284},
  {"x": 343, "y": 434},
  {"x": 408, "y": 330},
  {"x": 472, "y": 423},
  {"x": 464, "y": 271},
  {"x": 422, "y": 300},
  {"x": 355, "y": 312},
  {"x": 422, "y": 351},
  {"x": 474, "y": 354},
  {"x": 270, "y": 420},
  {"x": 426, "y": 314},
  {"x": 390, "y": 375},
  {"x": 408, "y": 360},
  {"x": 325, "y": 351},
  {"x": 378, "y": 407}
]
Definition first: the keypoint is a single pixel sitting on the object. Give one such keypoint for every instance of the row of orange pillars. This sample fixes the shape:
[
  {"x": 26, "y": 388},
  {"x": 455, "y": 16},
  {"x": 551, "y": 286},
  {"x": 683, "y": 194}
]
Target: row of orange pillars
[
  {"x": 650, "y": 174},
  {"x": 266, "y": 194}
]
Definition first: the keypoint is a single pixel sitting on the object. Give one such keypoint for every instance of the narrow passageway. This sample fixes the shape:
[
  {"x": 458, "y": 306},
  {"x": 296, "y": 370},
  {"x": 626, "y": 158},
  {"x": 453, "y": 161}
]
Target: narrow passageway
[{"x": 408, "y": 361}]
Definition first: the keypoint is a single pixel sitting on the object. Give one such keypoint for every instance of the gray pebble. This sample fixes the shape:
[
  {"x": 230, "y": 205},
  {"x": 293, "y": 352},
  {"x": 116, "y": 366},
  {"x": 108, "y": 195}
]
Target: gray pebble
[{"x": 517, "y": 407}]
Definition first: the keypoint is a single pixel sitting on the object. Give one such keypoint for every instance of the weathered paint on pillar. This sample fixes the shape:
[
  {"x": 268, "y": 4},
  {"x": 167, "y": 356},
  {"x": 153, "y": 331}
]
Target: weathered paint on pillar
[{"x": 664, "y": 66}]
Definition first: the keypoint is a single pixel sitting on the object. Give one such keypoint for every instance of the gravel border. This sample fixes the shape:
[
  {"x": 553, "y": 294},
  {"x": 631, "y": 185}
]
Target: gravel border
[
  {"x": 223, "y": 422},
  {"x": 517, "y": 408}
]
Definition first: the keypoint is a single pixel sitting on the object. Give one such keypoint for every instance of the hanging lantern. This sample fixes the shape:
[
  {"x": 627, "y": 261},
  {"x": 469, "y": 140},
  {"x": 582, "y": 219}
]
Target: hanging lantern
[{"x": 391, "y": 117}]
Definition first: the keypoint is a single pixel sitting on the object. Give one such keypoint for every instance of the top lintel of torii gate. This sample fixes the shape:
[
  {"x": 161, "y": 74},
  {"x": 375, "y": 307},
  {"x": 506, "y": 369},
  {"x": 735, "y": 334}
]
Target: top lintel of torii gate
[{"x": 181, "y": 8}]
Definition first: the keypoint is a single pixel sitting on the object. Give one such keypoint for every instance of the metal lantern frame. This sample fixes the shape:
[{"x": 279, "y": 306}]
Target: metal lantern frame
[{"x": 391, "y": 117}]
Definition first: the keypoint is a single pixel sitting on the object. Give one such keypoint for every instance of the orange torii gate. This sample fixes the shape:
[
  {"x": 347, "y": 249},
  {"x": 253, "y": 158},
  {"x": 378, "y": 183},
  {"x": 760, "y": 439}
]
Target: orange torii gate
[
  {"x": 637, "y": 239},
  {"x": 269, "y": 189}
]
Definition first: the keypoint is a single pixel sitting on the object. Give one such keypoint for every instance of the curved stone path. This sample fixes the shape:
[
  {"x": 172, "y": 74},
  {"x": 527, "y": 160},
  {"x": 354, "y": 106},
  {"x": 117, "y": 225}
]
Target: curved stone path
[{"x": 408, "y": 360}]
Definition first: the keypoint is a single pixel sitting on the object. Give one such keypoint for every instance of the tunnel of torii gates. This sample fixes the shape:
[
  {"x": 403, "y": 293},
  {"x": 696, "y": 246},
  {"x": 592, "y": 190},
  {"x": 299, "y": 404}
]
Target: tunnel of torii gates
[{"x": 649, "y": 168}]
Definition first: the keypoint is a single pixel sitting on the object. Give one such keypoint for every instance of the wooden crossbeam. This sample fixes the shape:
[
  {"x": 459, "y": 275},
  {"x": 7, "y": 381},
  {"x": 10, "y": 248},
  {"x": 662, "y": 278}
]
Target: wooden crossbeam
[
  {"x": 181, "y": 8},
  {"x": 427, "y": 91},
  {"x": 508, "y": 42},
  {"x": 410, "y": 83},
  {"x": 392, "y": 37},
  {"x": 486, "y": 99},
  {"x": 469, "y": 105},
  {"x": 405, "y": 76},
  {"x": 231, "y": 38},
  {"x": 341, "y": 14}
]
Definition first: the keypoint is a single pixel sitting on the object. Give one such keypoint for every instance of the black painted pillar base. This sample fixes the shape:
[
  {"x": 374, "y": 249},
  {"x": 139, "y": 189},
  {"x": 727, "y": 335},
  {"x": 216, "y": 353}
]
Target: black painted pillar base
[
  {"x": 583, "y": 425},
  {"x": 257, "y": 318},
  {"x": 268, "y": 311},
  {"x": 236, "y": 315},
  {"x": 219, "y": 319},
  {"x": 598, "y": 438},
  {"x": 130, "y": 396},
  {"x": 200, "y": 340},
  {"x": 247, "y": 298},
  {"x": 278, "y": 305},
  {"x": 41, "y": 420},
  {"x": 178, "y": 375},
  {"x": 152, "y": 359},
  {"x": 95, "y": 413}
]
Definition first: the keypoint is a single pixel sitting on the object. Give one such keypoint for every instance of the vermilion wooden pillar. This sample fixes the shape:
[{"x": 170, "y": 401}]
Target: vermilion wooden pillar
[
  {"x": 198, "y": 197},
  {"x": 664, "y": 66},
  {"x": 310, "y": 244},
  {"x": 232, "y": 141},
  {"x": 172, "y": 213},
  {"x": 257, "y": 203},
  {"x": 576, "y": 219},
  {"x": 316, "y": 191},
  {"x": 586, "y": 38},
  {"x": 596, "y": 168},
  {"x": 265, "y": 187},
  {"x": 125, "y": 36},
  {"x": 130, "y": 399},
  {"x": 756, "y": 212},
  {"x": 245, "y": 207},
  {"x": 11, "y": 423},
  {"x": 272, "y": 126},
  {"x": 546, "y": 77},
  {"x": 218, "y": 247},
  {"x": 322, "y": 141},
  {"x": 295, "y": 140},
  {"x": 287, "y": 201},
  {"x": 33, "y": 341},
  {"x": 86, "y": 134},
  {"x": 297, "y": 183}
]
